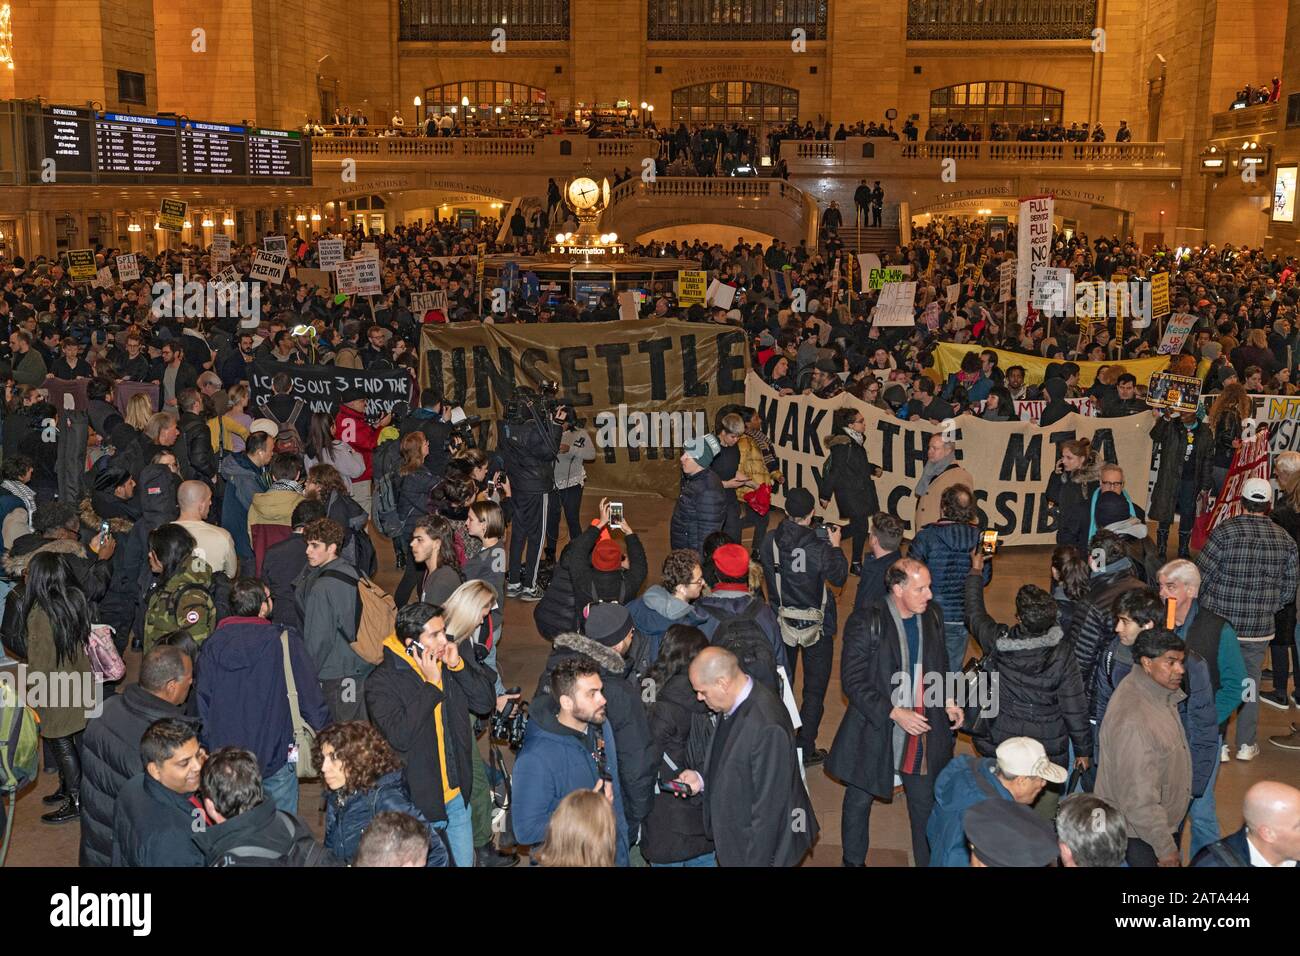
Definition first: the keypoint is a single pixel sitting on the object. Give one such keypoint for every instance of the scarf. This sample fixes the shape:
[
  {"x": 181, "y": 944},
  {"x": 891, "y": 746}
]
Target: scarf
[
  {"x": 909, "y": 751},
  {"x": 932, "y": 470},
  {"x": 857, "y": 437},
  {"x": 25, "y": 495},
  {"x": 287, "y": 484}
]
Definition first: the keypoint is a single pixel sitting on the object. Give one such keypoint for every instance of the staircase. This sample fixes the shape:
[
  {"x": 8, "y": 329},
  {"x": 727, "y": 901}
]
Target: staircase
[{"x": 868, "y": 239}]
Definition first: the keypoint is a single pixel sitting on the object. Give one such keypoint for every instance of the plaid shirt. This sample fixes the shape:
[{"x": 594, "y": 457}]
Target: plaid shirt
[{"x": 1248, "y": 572}]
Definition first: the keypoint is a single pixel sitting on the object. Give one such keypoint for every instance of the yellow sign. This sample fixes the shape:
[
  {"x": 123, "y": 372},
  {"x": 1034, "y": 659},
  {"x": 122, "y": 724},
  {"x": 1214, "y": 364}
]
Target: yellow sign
[
  {"x": 691, "y": 288},
  {"x": 948, "y": 356},
  {"x": 482, "y": 262},
  {"x": 81, "y": 265},
  {"x": 877, "y": 278},
  {"x": 171, "y": 214},
  {"x": 1160, "y": 294}
]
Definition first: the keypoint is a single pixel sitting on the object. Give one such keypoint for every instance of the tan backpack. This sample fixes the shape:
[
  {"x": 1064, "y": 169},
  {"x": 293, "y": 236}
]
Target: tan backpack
[{"x": 376, "y": 617}]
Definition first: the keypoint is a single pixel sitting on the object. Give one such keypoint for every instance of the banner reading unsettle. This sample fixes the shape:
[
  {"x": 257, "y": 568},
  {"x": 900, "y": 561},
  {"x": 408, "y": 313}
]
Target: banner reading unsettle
[
  {"x": 948, "y": 356},
  {"x": 644, "y": 388},
  {"x": 1011, "y": 462}
]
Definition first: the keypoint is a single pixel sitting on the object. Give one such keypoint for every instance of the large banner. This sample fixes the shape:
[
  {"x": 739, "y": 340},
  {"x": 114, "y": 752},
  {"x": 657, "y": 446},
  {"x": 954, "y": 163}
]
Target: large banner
[
  {"x": 644, "y": 388},
  {"x": 323, "y": 386},
  {"x": 1011, "y": 462},
  {"x": 948, "y": 356}
]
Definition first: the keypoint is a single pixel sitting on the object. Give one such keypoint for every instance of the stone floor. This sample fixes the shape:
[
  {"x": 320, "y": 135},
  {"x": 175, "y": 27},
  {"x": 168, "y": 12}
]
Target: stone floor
[{"x": 523, "y": 652}]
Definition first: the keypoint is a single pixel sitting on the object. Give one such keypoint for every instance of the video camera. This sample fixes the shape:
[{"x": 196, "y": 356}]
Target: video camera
[
  {"x": 509, "y": 723},
  {"x": 541, "y": 404},
  {"x": 462, "y": 428}
]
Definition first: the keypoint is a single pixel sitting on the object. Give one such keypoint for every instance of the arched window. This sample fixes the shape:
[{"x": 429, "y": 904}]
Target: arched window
[
  {"x": 515, "y": 99},
  {"x": 997, "y": 101},
  {"x": 735, "y": 101}
]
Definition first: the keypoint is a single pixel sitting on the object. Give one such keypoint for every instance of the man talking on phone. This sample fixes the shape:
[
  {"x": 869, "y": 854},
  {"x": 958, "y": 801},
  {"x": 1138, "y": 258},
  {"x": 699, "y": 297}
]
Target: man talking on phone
[{"x": 420, "y": 698}]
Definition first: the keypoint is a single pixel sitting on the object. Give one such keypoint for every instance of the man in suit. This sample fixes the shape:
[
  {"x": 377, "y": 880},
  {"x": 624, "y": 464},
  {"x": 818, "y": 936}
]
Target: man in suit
[
  {"x": 1269, "y": 837},
  {"x": 757, "y": 809},
  {"x": 893, "y": 729}
]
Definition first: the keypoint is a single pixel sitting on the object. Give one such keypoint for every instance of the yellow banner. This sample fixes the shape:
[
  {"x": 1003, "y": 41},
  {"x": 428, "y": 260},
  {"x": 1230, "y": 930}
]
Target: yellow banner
[
  {"x": 947, "y": 360},
  {"x": 1160, "y": 294}
]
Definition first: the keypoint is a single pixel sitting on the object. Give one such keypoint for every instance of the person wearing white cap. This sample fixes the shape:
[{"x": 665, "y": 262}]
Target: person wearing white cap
[
  {"x": 1019, "y": 773},
  {"x": 1248, "y": 573}
]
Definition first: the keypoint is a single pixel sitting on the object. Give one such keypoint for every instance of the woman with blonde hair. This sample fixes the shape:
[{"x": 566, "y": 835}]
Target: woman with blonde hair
[
  {"x": 581, "y": 832},
  {"x": 230, "y": 431},
  {"x": 139, "y": 409},
  {"x": 1230, "y": 409}
]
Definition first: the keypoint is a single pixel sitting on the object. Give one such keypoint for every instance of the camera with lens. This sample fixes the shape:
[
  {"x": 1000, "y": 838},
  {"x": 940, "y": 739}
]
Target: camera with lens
[
  {"x": 822, "y": 528},
  {"x": 509, "y": 723}
]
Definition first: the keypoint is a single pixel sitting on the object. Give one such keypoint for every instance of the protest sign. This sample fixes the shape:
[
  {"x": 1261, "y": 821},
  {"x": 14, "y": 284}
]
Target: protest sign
[
  {"x": 1250, "y": 460},
  {"x": 1179, "y": 392},
  {"x": 171, "y": 214},
  {"x": 1176, "y": 332},
  {"x": 103, "y": 279},
  {"x": 628, "y": 306},
  {"x": 1160, "y": 294},
  {"x": 358, "y": 277},
  {"x": 422, "y": 302},
  {"x": 315, "y": 278},
  {"x": 1033, "y": 246},
  {"x": 81, "y": 265},
  {"x": 878, "y": 278},
  {"x": 1012, "y": 461},
  {"x": 269, "y": 267},
  {"x": 128, "y": 269},
  {"x": 952, "y": 293},
  {"x": 221, "y": 247},
  {"x": 322, "y": 386},
  {"x": 1054, "y": 291},
  {"x": 720, "y": 294},
  {"x": 276, "y": 244},
  {"x": 1006, "y": 277},
  {"x": 691, "y": 288},
  {"x": 330, "y": 253}
]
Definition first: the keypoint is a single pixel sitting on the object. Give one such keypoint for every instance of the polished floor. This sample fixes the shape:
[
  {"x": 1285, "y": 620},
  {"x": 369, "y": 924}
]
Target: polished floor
[{"x": 523, "y": 653}]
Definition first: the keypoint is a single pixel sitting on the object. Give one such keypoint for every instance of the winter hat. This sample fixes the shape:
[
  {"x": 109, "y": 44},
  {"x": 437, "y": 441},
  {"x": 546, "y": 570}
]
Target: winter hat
[
  {"x": 607, "y": 623},
  {"x": 766, "y": 340},
  {"x": 732, "y": 561},
  {"x": 1211, "y": 350},
  {"x": 606, "y": 555},
  {"x": 704, "y": 449},
  {"x": 770, "y": 365},
  {"x": 1111, "y": 508},
  {"x": 798, "y": 503}
]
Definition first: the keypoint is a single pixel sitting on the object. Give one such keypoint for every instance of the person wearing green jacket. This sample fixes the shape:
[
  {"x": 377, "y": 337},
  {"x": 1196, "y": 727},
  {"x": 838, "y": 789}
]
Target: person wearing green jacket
[
  {"x": 28, "y": 365},
  {"x": 1215, "y": 640}
]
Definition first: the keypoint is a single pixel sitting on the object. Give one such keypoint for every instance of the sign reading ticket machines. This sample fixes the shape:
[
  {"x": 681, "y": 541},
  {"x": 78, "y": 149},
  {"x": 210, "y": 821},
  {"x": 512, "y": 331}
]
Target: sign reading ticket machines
[{"x": 171, "y": 214}]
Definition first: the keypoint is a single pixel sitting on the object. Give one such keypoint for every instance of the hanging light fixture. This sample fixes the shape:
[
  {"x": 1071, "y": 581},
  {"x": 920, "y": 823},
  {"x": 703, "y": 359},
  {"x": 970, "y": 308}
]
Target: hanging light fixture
[
  {"x": 207, "y": 223},
  {"x": 228, "y": 221}
]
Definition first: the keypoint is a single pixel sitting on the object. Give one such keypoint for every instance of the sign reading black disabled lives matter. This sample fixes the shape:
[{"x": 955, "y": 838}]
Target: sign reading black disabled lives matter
[
  {"x": 644, "y": 389},
  {"x": 1011, "y": 462},
  {"x": 322, "y": 387}
]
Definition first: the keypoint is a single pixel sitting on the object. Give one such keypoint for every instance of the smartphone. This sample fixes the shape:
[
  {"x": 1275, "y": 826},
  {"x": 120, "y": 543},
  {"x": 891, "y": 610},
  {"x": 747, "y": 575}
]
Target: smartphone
[
  {"x": 988, "y": 542},
  {"x": 414, "y": 649},
  {"x": 616, "y": 514},
  {"x": 103, "y": 530},
  {"x": 676, "y": 788}
]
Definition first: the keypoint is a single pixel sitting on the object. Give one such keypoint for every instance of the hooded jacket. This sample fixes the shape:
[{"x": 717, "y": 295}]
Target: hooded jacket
[
  {"x": 625, "y": 713},
  {"x": 965, "y": 782},
  {"x": 351, "y": 427},
  {"x": 553, "y": 762},
  {"x": 1071, "y": 492},
  {"x": 243, "y": 696},
  {"x": 1057, "y": 407},
  {"x": 243, "y": 480},
  {"x": 348, "y": 814},
  {"x": 701, "y": 509},
  {"x": 657, "y": 610}
]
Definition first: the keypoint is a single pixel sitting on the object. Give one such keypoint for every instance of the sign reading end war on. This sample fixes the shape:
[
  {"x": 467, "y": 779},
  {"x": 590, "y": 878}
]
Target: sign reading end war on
[
  {"x": 1010, "y": 461},
  {"x": 645, "y": 388},
  {"x": 322, "y": 387}
]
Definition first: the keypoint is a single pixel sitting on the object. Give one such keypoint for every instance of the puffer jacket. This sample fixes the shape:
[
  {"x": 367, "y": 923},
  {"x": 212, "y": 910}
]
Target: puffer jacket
[
  {"x": 1071, "y": 494},
  {"x": 945, "y": 548},
  {"x": 622, "y": 678},
  {"x": 657, "y": 610},
  {"x": 575, "y": 583},
  {"x": 1094, "y": 619},
  {"x": 674, "y": 831},
  {"x": 348, "y": 815},
  {"x": 1040, "y": 693},
  {"x": 701, "y": 510},
  {"x": 847, "y": 475}
]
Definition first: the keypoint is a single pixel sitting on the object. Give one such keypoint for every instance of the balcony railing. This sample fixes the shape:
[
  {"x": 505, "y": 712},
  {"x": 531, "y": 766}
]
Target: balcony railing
[
  {"x": 695, "y": 188},
  {"x": 545, "y": 149},
  {"x": 1249, "y": 119},
  {"x": 849, "y": 152},
  {"x": 1001, "y": 19}
]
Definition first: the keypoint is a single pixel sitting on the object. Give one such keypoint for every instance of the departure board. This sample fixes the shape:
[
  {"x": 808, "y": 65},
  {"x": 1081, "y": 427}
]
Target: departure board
[
  {"x": 211, "y": 149},
  {"x": 136, "y": 145},
  {"x": 68, "y": 139},
  {"x": 275, "y": 153}
]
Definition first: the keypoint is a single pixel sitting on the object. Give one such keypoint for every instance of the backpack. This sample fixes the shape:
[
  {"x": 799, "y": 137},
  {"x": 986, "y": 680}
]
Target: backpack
[
  {"x": 376, "y": 617},
  {"x": 20, "y": 747},
  {"x": 304, "y": 851},
  {"x": 162, "y": 618},
  {"x": 387, "y": 518},
  {"x": 287, "y": 439},
  {"x": 740, "y": 634}
]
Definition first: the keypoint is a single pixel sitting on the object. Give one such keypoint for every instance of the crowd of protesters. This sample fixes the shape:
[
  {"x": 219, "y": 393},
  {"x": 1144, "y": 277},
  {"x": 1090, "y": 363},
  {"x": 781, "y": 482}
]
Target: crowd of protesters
[{"x": 232, "y": 540}]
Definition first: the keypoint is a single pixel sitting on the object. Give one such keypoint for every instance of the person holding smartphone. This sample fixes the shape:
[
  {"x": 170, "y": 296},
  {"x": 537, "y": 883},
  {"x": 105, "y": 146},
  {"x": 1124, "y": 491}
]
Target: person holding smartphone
[
  {"x": 576, "y": 447},
  {"x": 420, "y": 697}
]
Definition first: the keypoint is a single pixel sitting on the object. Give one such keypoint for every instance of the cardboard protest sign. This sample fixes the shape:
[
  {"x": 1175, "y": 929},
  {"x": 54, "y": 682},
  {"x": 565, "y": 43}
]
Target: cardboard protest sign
[{"x": 269, "y": 267}]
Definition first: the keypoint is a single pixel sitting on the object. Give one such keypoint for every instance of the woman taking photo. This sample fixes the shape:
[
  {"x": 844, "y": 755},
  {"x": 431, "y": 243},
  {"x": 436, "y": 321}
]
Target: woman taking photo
[
  {"x": 321, "y": 447},
  {"x": 1230, "y": 409},
  {"x": 58, "y": 627},
  {"x": 414, "y": 483},
  {"x": 363, "y": 777},
  {"x": 674, "y": 833},
  {"x": 848, "y": 475},
  {"x": 1076, "y": 477}
]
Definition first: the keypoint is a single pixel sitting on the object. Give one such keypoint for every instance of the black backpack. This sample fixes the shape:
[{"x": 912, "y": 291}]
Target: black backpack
[{"x": 740, "y": 634}]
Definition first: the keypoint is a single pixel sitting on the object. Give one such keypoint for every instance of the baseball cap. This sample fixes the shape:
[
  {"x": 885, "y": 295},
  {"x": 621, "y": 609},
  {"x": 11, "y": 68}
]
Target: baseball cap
[
  {"x": 1025, "y": 757},
  {"x": 1257, "y": 490},
  {"x": 265, "y": 425},
  {"x": 1006, "y": 833},
  {"x": 798, "y": 503}
]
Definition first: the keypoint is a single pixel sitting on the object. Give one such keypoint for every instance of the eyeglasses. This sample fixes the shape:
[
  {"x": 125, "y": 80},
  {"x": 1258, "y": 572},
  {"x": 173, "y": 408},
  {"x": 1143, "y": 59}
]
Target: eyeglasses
[{"x": 1112, "y": 484}]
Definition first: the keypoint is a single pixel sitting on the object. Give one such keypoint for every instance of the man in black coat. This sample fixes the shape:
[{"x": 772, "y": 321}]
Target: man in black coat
[
  {"x": 530, "y": 448},
  {"x": 155, "y": 818},
  {"x": 110, "y": 750},
  {"x": 798, "y": 564},
  {"x": 420, "y": 698},
  {"x": 197, "y": 436},
  {"x": 884, "y": 543},
  {"x": 624, "y": 658},
  {"x": 756, "y": 807},
  {"x": 878, "y": 741}
]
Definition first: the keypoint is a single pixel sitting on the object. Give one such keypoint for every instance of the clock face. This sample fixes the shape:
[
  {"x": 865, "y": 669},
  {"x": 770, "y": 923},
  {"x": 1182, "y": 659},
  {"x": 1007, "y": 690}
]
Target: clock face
[{"x": 583, "y": 193}]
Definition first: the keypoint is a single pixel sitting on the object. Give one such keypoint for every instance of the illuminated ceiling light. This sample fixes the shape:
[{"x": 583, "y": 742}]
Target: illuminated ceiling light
[
  {"x": 133, "y": 227},
  {"x": 559, "y": 238},
  {"x": 300, "y": 218},
  {"x": 6, "y": 36},
  {"x": 417, "y": 101},
  {"x": 315, "y": 217}
]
